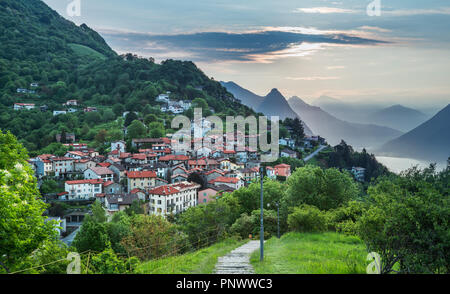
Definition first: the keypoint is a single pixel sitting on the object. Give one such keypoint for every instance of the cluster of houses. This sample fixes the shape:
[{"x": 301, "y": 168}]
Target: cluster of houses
[
  {"x": 157, "y": 175},
  {"x": 176, "y": 107},
  {"x": 70, "y": 107}
]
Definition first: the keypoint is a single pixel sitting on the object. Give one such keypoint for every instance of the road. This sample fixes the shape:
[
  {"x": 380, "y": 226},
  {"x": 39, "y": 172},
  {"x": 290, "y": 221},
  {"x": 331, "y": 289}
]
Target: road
[
  {"x": 314, "y": 153},
  {"x": 69, "y": 239},
  {"x": 238, "y": 260}
]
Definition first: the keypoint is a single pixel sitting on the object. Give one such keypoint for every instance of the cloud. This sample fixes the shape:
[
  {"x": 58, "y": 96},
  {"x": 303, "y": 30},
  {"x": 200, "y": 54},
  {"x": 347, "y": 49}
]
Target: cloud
[
  {"x": 323, "y": 10},
  {"x": 254, "y": 46},
  {"x": 313, "y": 78},
  {"x": 335, "y": 67},
  {"x": 412, "y": 12}
]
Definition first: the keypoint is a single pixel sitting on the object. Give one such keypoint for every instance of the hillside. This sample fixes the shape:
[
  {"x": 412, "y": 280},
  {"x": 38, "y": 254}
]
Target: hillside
[
  {"x": 429, "y": 141},
  {"x": 398, "y": 117},
  {"x": 74, "y": 62},
  {"x": 335, "y": 130},
  {"x": 349, "y": 111},
  {"x": 312, "y": 253},
  {"x": 273, "y": 103}
]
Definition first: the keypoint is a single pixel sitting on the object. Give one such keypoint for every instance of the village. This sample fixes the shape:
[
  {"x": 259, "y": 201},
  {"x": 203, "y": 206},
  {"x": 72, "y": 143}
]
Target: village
[{"x": 163, "y": 180}]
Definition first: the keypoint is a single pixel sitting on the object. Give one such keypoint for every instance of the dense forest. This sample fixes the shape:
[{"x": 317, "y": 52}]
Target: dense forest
[{"x": 70, "y": 62}]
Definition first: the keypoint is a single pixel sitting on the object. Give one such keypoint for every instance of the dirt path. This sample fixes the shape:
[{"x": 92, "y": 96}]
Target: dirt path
[{"x": 238, "y": 260}]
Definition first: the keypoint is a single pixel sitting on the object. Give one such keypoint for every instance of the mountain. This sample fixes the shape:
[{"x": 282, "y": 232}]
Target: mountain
[
  {"x": 399, "y": 117},
  {"x": 429, "y": 141},
  {"x": 54, "y": 60},
  {"x": 335, "y": 130},
  {"x": 245, "y": 96},
  {"x": 273, "y": 104},
  {"x": 352, "y": 112}
]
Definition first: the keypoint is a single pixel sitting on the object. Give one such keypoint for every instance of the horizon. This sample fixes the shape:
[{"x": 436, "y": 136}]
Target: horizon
[{"x": 303, "y": 48}]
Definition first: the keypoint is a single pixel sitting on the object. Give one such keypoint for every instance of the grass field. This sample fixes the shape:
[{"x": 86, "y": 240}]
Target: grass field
[
  {"x": 312, "y": 253},
  {"x": 83, "y": 51},
  {"x": 202, "y": 261}
]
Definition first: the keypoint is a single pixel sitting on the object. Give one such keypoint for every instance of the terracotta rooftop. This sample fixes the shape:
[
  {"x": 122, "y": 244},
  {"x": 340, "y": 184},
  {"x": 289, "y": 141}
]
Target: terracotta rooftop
[
  {"x": 80, "y": 182},
  {"x": 141, "y": 174}
]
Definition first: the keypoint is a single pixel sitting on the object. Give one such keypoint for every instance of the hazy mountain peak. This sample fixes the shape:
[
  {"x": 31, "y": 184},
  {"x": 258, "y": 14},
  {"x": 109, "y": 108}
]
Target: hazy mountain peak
[
  {"x": 427, "y": 141},
  {"x": 275, "y": 92}
]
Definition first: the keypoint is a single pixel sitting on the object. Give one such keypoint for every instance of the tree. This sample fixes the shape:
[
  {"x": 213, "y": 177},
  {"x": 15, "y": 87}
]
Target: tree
[
  {"x": 129, "y": 118},
  {"x": 325, "y": 189},
  {"x": 136, "y": 130},
  {"x": 149, "y": 118},
  {"x": 92, "y": 236},
  {"x": 118, "y": 109},
  {"x": 408, "y": 222},
  {"x": 50, "y": 186},
  {"x": 100, "y": 138},
  {"x": 307, "y": 218},
  {"x": 98, "y": 212},
  {"x": 22, "y": 226},
  {"x": 151, "y": 237},
  {"x": 157, "y": 130},
  {"x": 249, "y": 197}
]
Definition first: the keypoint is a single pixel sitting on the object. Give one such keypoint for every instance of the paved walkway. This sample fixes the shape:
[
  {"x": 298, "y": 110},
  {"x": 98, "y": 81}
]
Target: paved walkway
[
  {"x": 238, "y": 260},
  {"x": 314, "y": 153}
]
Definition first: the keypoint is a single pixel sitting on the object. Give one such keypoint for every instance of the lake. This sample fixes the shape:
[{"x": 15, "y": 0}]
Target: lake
[{"x": 398, "y": 164}]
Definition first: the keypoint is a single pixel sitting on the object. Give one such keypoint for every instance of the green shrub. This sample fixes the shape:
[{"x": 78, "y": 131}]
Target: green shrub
[{"x": 307, "y": 218}]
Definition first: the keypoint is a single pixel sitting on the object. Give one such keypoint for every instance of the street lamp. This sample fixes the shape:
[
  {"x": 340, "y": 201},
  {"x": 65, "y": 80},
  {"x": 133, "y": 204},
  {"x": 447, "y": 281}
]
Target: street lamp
[
  {"x": 278, "y": 220},
  {"x": 261, "y": 233}
]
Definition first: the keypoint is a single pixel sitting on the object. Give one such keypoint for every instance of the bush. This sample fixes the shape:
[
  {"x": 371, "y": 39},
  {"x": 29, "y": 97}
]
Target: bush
[
  {"x": 307, "y": 218},
  {"x": 243, "y": 226},
  {"x": 344, "y": 218},
  {"x": 251, "y": 224}
]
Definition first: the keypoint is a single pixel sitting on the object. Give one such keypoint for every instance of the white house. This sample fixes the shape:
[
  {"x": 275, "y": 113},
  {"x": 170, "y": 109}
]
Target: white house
[
  {"x": 20, "y": 106},
  {"x": 83, "y": 164},
  {"x": 232, "y": 182},
  {"x": 62, "y": 165},
  {"x": 173, "y": 198},
  {"x": 163, "y": 98},
  {"x": 287, "y": 142},
  {"x": 118, "y": 145},
  {"x": 359, "y": 173},
  {"x": 99, "y": 172},
  {"x": 58, "y": 112},
  {"x": 83, "y": 189}
]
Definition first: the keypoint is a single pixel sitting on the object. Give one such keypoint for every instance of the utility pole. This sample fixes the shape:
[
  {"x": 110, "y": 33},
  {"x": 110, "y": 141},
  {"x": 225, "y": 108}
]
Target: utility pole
[
  {"x": 278, "y": 220},
  {"x": 261, "y": 233}
]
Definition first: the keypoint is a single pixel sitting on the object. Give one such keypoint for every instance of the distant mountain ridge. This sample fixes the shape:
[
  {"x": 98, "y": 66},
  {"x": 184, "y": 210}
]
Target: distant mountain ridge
[
  {"x": 429, "y": 141},
  {"x": 403, "y": 118},
  {"x": 335, "y": 130},
  {"x": 273, "y": 104}
]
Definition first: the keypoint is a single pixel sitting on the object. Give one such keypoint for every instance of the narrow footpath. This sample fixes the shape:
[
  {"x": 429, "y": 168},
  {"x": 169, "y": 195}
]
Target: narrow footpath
[{"x": 238, "y": 260}]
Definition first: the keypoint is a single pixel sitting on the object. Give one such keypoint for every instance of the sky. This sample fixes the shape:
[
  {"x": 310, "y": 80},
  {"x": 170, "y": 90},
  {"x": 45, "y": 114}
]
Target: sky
[{"x": 307, "y": 48}]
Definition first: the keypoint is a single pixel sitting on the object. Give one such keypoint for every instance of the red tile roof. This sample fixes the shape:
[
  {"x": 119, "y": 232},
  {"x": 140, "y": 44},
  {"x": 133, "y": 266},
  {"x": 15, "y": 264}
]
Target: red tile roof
[
  {"x": 214, "y": 170},
  {"x": 141, "y": 174},
  {"x": 136, "y": 190},
  {"x": 106, "y": 184},
  {"x": 104, "y": 164},
  {"x": 164, "y": 190},
  {"x": 225, "y": 180},
  {"x": 139, "y": 156},
  {"x": 80, "y": 182},
  {"x": 100, "y": 170},
  {"x": 174, "y": 157}
]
